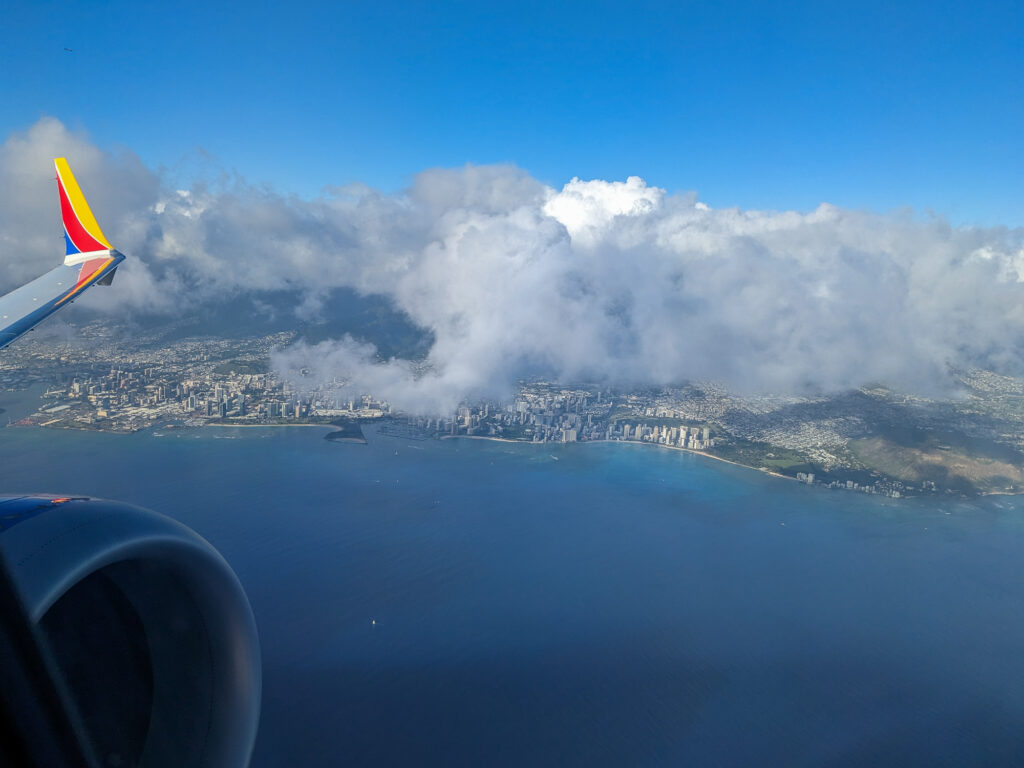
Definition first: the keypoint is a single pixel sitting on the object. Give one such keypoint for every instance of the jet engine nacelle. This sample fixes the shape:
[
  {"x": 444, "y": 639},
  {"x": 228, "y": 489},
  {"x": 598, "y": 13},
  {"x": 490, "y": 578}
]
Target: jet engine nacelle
[{"x": 147, "y": 624}]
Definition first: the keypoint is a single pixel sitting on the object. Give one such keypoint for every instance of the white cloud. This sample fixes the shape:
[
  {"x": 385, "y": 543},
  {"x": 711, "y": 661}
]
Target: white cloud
[
  {"x": 588, "y": 208},
  {"x": 604, "y": 280}
]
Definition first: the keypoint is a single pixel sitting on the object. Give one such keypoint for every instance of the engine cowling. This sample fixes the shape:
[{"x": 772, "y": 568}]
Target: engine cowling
[{"x": 147, "y": 624}]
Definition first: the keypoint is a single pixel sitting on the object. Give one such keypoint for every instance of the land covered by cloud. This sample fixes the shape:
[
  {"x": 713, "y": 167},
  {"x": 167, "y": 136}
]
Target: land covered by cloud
[{"x": 615, "y": 282}]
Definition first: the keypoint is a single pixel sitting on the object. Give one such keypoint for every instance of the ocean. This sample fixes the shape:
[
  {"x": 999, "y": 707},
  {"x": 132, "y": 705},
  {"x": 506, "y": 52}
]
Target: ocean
[{"x": 473, "y": 603}]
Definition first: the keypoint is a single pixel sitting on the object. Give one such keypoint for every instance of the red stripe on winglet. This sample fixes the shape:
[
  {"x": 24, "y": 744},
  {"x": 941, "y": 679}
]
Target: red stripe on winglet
[{"x": 79, "y": 236}]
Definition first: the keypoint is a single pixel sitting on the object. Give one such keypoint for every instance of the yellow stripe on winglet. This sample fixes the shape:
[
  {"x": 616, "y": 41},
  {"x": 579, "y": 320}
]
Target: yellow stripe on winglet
[{"x": 77, "y": 200}]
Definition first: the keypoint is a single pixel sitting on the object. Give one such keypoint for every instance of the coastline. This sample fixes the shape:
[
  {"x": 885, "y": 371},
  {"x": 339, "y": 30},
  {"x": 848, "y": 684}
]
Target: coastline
[
  {"x": 264, "y": 426},
  {"x": 700, "y": 453},
  {"x": 626, "y": 442}
]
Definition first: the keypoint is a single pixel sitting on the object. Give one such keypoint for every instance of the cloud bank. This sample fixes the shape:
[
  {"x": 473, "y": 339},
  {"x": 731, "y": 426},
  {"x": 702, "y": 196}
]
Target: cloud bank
[{"x": 614, "y": 282}]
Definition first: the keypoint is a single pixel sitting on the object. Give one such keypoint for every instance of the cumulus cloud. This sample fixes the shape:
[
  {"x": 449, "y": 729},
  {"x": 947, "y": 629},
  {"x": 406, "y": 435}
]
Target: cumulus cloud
[
  {"x": 589, "y": 208},
  {"x": 606, "y": 281}
]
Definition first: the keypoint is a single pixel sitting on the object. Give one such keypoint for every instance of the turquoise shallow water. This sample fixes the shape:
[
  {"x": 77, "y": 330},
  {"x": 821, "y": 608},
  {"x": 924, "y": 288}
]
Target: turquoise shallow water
[{"x": 618, "y": 605}]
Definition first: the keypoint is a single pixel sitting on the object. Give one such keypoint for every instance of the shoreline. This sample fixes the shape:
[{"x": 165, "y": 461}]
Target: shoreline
[
  {"x": 263, "y": 426},
  {"x": 701, "y": 453},
  {"x": 980, "y": 494},
  {"x": 626, "y": 442},
  {"x": 334, "y": 427}
]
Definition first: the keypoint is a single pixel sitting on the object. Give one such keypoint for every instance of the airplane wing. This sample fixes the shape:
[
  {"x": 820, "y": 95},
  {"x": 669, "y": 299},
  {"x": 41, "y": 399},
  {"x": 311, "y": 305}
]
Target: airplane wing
[{"x": 90, "y": 260}]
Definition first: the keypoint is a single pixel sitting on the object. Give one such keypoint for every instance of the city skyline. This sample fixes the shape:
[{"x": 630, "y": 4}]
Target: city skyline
[{"x": 874, "y": 441}]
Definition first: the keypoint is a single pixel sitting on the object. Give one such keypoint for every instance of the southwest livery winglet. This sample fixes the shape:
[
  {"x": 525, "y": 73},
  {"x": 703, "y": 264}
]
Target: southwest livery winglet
[
  {"x": 90, "y": 260},
  {"x": 82, "y": 233}
]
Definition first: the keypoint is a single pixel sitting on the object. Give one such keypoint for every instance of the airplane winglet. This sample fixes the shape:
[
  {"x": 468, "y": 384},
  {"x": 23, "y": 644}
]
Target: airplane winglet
[{"x": 83, "y": 236}]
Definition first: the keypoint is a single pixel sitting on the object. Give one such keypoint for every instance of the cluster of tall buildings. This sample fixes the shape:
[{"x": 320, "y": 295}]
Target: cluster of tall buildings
[
  {"x": 129, "y": 399},
  {"x": 695, "y": 438},
  {"x": 544, "y": 414}
]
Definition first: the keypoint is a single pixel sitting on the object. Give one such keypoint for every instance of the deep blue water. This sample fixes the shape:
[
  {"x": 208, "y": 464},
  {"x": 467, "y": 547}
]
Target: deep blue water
[{"x": 623, "y": 605}]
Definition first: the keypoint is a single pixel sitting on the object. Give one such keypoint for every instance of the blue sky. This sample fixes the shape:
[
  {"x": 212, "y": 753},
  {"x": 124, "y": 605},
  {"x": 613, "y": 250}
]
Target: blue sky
[{"x": 782, "y": 105}]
